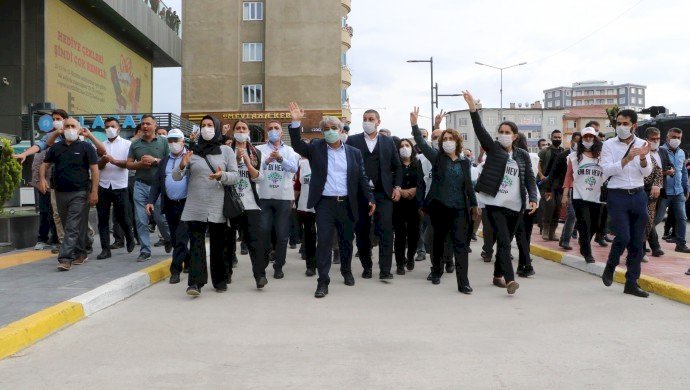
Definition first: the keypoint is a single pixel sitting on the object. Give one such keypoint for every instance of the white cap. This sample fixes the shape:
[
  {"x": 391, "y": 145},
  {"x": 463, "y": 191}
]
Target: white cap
[
  {"x": 175, "y": 133},
  {"x": 588, "y": 130}
]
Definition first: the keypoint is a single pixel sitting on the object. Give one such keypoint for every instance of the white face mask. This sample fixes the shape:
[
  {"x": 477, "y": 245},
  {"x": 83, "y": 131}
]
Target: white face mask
[
  {"x": 405, "y": 152},
  {"x": 176, "y": 147},
  {"x": 654, "y": 145},
  {"x": 110, "y": 132},
  {"x": 369, "y": 127},
  {"x": 207, "y": 133},
  {"x": 57, "y": 125},
  {"x": 343, "y": 137},
  {"x": 434, "y": 144},
  {"x": 449, "y": 146},
  {"x": 505, "y": 140},
  {"x": 674, "y": 143},
  {"x": 241, "y": 137},
  {"x": 623, "y": 132},
  {"x": 71, "y": 135},
  {"x": 587, "y": 144}
]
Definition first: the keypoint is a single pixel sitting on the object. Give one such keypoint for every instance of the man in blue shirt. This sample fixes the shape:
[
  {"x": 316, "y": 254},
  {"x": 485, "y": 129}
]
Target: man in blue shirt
[
  {"x": 675, "y": 187},
  {"x": 173, "y": 196}
]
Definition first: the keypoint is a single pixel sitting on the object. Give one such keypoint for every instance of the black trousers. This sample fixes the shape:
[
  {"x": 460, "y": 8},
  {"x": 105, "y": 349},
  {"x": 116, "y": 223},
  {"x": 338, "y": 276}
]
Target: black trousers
[
  {"x": 73, "y": 208},
  {"x": 523, "y": 234},
  {"x": 333, "y": 216},
  {"x": 406, "y": 227},
  {"x": 198, "y": 273},
  {"x": 249, "y": 226},
  {"x": 120, "y": 202},
  {"x": 552, "y": 211},
  {"x": 504, "y": 223},
  {"x": 489, "y": 236},
  {"x": 179, "y": 235},
  {"x": 46, "y": 227},
  {"x": 295, "y": 234},
  {"x": 118, "y": 234},
  {"x": 587, "y": 224},
  {"x": 383, "y": 228},
  {"x": 602, "y": 228},
  {"x": 307, "y": 222},
  {"x": 447, "y": 220}
]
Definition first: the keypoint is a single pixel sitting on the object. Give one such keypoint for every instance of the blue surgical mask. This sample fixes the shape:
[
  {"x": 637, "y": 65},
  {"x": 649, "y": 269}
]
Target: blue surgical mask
[
  {"x": 331, "y": 136},
  {"x": 274, "y": 135}
]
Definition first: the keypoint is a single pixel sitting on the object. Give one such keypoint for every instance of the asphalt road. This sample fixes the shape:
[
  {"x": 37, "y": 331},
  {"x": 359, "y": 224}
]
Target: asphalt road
[{"x": 563, "y": 329}]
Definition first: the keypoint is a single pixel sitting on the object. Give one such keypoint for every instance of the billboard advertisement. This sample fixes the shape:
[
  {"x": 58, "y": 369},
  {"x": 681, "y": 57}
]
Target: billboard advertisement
[{"x": 87, "y": 70}]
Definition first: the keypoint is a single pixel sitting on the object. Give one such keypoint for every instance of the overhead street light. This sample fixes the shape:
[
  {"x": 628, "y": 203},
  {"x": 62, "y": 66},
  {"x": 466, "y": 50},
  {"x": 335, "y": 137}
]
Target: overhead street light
[{"x": 500, "y": 110}]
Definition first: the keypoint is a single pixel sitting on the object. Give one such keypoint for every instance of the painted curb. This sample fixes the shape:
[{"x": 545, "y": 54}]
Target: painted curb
[
  {"x": 20, "y": 334},
  {"x": 650, "y": 284}
]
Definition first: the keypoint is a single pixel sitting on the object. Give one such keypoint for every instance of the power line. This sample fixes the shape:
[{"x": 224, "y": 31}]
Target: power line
[{"x": 588, "y": 35}]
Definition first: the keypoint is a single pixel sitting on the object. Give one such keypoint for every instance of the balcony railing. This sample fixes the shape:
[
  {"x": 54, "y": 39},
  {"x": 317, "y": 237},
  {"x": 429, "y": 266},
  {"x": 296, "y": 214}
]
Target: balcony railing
[{"x": 167, "y": 14}]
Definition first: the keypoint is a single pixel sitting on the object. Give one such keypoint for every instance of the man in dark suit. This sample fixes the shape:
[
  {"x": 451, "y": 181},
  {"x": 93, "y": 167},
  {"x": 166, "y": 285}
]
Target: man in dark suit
[
  {"x": 337, "y": 178},
  {"x": 384, "y": 170},
  {"x": 173, "y": 195}
]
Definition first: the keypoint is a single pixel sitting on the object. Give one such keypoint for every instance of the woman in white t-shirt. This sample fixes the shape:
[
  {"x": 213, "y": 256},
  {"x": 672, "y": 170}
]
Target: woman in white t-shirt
[
  {"x": 249, "y": 222},
  {"x": 584, "y": 178}
]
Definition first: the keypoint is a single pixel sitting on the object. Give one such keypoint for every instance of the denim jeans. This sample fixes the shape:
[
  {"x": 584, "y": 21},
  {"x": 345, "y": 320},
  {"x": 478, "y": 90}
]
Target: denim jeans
[
  {"x": 569, "y": 224},
  {"x": 141, "y": 198},
  {"x": 678, "y": 204}
]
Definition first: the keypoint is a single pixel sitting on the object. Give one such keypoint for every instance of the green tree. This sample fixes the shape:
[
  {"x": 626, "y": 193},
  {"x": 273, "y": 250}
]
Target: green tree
[{"x": 10, "y": 172}]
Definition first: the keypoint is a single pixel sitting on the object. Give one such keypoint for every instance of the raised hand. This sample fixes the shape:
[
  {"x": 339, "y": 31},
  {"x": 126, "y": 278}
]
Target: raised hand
[
  {"x": 414, "y": 116},
  {"x": 438, "y": 119},
  {"x": 226, "y": 128},
  {"x": 470, "y": 100},
  {"x": 149, "y": 209},
  {"x": 296, "y": 112},
  {"x": 372, "y": 208},
  {"x": 185, "y": 159},
  {"x": 19, "y": 157},
  {"x": 217, "y": 175}
]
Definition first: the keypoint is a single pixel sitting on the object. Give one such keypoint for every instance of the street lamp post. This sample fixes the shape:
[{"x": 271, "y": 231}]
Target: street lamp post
[
  {"x": 433, "y": 87},
  {"x": 500, "y": 110}
]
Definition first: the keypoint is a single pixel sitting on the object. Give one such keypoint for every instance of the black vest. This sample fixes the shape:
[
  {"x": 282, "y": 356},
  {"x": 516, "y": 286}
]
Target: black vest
[{"x": 372, "y": 166}]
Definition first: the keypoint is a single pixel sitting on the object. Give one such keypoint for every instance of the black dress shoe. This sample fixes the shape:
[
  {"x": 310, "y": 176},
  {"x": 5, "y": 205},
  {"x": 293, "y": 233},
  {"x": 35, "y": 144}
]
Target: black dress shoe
[
  {"x": 168, "y": 247},
  {"x": 321, "y": 290},
  {"x": 657, "y": 252},
  {"x": 607, "y": 238},
  {"x": 117, "y": 245},
  {"x": 607, "y": 276},
  {"x": 349, "y": 279},
  {"x": 385, "y": 275},
  {"x": 565, "y": 246},
  {"x": 671, "y": 240},
  {"x": 310, "y": 272},
  {"x": 174, "y": 278},
  {"x": 520, "y": 271},
  {"x": 601, "y": 242},
  {"x": 244, "y": 251},
  {"x": 400, "y": 270},
  {"x": 466, "y": 289},
  {"x": 409, "y": 265},
  {"x": 589, "y": 259},
  {"x": 104, "y": 255},
  {"x": 450, "y": 268},
  {"x": 529, "y": 270},
  {"x": 185, "y": 271},
  {"x": 234, "y": 262},
  {"x": 469, "y": 250},
  {"x": 486, "y": 257},
  {"x": 336, "y": 257},
  {"x": 160, "y": 242},
  {"x": 366, "y": 274},
  {"x": 687, "y": 272},
  {"x": 278, "y": 274},
  {"x": 193, "y": 291},
  {"x": 634, "y": 289},
  {"x": 221, "y": 288},
  {"x": 682, "y": 249},
  {"x": 430, "y": 276},
  {"x": 130, "y": 246},
  {"x": 261, "y": 282},
  {"x": 435, "y": 279}
]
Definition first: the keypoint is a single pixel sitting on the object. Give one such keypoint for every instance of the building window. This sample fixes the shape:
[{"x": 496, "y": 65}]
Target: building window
[
  {"x": 552, "y": 120},
  {"x": 621, "y": 91},
  {"x": 621, "y": 101},
  {"x": 601, "y": 101},
  {"x": 252, "y": 94},
  {"x": 343, "y": 59},
  {"x": 578, "y": 102},
  {"x": 640, "y": 101},
  {"x": 633, "y": 100},
  {"x": 343, "y": 96},
  {"x": 548, "y": 95},
  {"x": 600, "y": 91},
  {"x": 462, "y": 122},
  {"x": 578, "y": 93},
  {"x": 567, "y": 93},
  {"x": 253, "y": 10},
  {"x": 609, "y": 101},
  {"x": 557, "y": 94},
  {"x": 549, "y": 104},
  {"x": 610, "y": 92},
  {"x": 464, "y": 135},
  {"x": 253, "y": 52},
  {"x": 589, "y": 92},
  {"x": 568, "y": 103}
]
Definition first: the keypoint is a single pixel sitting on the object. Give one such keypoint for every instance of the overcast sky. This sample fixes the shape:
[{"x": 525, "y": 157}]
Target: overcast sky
[{"x": 635, "y": 41}]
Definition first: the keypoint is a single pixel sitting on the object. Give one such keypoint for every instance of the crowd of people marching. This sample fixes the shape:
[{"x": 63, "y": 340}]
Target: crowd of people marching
[{"x": 410, "y": 196}]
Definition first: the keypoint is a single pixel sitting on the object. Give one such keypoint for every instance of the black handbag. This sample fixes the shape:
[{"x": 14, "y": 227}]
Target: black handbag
[
  {"x": 232, "y": 204},
  {"x": 604, "y": 194}
]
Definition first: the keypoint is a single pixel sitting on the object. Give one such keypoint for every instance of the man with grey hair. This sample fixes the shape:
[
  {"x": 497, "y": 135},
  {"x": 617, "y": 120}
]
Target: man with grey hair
[
  {"x": 337, "y": 178},
  {"x": 385, "y": 132}
]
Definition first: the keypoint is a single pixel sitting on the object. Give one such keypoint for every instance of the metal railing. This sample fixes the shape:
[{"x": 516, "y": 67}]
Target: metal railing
[{"x": 167, "y": 14}]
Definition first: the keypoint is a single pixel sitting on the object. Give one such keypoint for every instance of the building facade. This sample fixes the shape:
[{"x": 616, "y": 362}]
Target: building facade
[
  {"x": 535, "y": 123},
  {"x": 249, "y": 59},
  {"x": 596, "y": 93}
]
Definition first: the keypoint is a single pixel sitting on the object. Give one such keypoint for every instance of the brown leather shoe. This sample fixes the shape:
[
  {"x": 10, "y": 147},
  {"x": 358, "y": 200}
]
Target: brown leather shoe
[
  {"x": 81, "y": 259},
  {"x": 64, "y": 266},
  {"x": 512, "y": 287},
  {"x": 500, "y": 282}
]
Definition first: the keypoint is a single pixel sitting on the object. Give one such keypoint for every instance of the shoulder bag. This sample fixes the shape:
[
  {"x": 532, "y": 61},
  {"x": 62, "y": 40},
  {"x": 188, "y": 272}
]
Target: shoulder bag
[{"x": 232, "y": 204}]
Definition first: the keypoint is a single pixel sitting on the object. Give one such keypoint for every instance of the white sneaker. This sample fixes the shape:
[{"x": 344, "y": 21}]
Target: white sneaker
[
  {"x": 645, "y": 259},
  {"x": 40, "y": 246}
]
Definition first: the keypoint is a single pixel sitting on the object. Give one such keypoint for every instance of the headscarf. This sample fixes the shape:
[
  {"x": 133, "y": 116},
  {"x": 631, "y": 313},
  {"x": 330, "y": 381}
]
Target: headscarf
[{"x": 203, "y": 147}]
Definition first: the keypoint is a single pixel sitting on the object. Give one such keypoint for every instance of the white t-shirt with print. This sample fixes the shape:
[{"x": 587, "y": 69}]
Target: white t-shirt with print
[
  {"x": 588, "y": 176},
  {"x": 304, "y": 179},
  {"x": 509, "y": 194},
  {"x": 244, "y": 187}
]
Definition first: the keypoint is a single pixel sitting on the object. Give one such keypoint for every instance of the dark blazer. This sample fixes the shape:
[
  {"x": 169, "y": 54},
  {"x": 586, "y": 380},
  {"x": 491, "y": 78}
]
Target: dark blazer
[
  {"x": 391, "y": 168},
  {"x": 495, "y": 166},
  {"x": 158, "y": 185},
  {"x": 559, "y": 168},
  {"x": 439, "y": 162},
  {"x": 317, "y": 154}
]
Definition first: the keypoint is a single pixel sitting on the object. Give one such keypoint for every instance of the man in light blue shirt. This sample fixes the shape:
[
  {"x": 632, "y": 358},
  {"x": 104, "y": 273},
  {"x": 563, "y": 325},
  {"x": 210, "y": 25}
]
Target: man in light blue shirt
[{"x": 676, "y": 187}]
